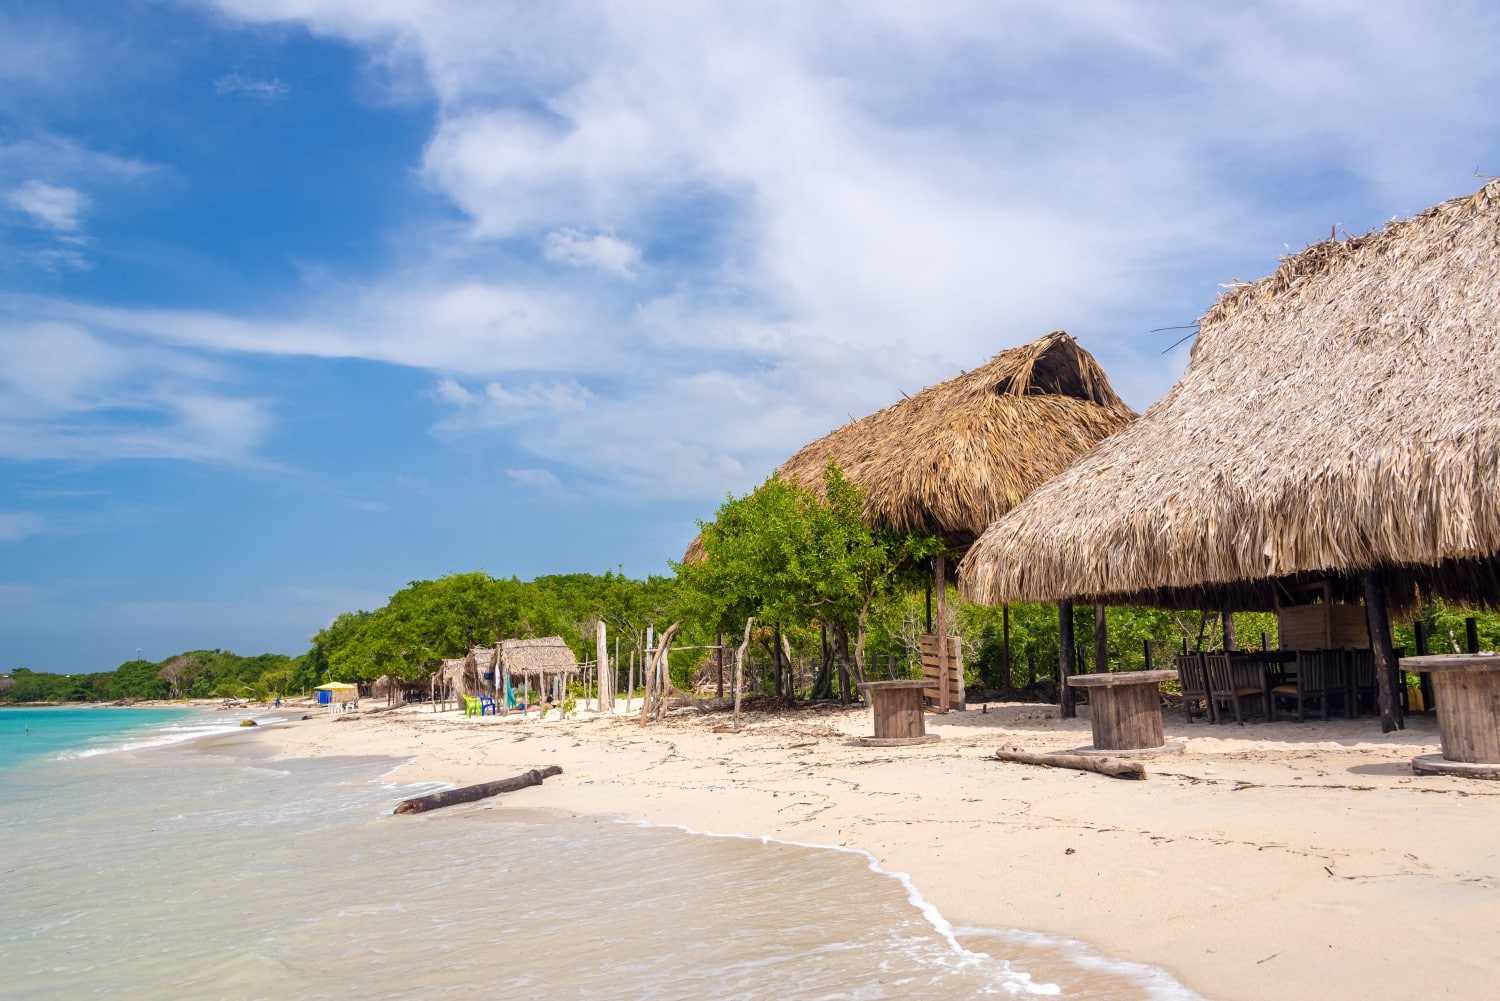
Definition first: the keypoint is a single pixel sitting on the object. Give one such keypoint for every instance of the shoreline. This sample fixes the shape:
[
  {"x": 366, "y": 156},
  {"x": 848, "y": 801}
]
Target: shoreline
[{"x": 1266, "y": 860}]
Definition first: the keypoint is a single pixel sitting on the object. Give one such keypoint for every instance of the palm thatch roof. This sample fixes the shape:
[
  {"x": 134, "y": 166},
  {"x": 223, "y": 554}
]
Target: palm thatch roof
[
  {"x": 957, "y": 455},
  {"x": 1339, "y": 415},
  {"x": 548, "y": 655}
]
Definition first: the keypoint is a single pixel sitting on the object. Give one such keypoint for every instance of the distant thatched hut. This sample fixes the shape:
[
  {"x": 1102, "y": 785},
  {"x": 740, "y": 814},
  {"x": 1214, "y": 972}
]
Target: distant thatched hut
[
  {"x": 544, "y": 665},
  {"x": 1340, "y": 416}
]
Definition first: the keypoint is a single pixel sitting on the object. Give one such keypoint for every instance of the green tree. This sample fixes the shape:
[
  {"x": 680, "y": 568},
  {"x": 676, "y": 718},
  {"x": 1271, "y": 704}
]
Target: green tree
[{"x": 791, "y": 557}]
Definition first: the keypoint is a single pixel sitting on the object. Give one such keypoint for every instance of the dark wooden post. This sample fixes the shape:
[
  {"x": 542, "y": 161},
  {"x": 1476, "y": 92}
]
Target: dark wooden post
[
  {"x": 1385, "y": 654},
  {"x": 1185, "y": 650},
  {"x": 1228, "y": 632},
  {"x": 945, "y": 667},
  {"x": 1101, "y": 640},
  {"x": 1419, "y": 634},
  {"x": 1471, "y": 629},
  {"x": 1149, "y": 665},
  {"x": 1065, "y": 659},
  {"x": 1007, "y": 688},
  {"x": 776, "y": 656}
]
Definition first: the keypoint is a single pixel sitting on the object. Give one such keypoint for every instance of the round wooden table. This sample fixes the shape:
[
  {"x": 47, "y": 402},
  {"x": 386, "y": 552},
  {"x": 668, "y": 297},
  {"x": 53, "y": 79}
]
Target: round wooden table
[
  {"x": 1466, "y": 694},
  {"x": 900, "y": 716},
  {"x": 1125, "y": 710}
]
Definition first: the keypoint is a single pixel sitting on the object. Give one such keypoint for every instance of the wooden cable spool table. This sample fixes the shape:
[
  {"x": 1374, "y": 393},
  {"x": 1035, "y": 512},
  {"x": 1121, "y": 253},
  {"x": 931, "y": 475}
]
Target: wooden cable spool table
[
  {"x": 1125, "y": 712},
  {"x": 1466, "y": 694},
  {"x": 899, "y": 714}
]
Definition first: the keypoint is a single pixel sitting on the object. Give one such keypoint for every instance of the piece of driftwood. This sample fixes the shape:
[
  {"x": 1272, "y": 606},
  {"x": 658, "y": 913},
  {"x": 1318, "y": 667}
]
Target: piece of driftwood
[
  {"x": 1116, "y": 767},
  {"x": 484, "y": 790}
]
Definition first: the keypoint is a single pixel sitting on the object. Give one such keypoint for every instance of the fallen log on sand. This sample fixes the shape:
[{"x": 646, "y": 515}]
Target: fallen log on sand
[
  {"x": 1117, "y": 767},
  {"x": 468, "y": 794}
]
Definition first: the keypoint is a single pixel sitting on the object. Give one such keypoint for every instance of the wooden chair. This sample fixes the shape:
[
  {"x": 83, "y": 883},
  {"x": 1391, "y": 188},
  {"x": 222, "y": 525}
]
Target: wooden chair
[
  {"x": 1194, "y": 687},
  {"x": 1224, "y": 686},
  {"x": 1360, "y": 682},
  {"x": 1320, "y": 676}
]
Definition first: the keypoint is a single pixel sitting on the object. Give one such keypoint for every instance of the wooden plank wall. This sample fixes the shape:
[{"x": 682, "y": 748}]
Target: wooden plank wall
[
  {"x": 930, "y": 671},
  {"x": 1323, "y": 627}
]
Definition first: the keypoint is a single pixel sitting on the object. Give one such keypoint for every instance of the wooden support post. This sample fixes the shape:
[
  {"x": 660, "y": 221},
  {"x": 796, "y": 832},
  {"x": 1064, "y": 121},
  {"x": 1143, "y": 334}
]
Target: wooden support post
[
  {"x": 1185, "y": 650},
  {"x": 603, "y": 676},
  {"x": 1265, "y": 641},
  {"x": 945, "y": 664},
  {"x": 1385, "y": 654},
  {"x": 1101, "y": 640},
  {"x": 739, "y": 671},
  {"x": 1471, "y": 633},
  {"x": 1419, "y": 635},
  {"x": 1007, "y": 687},
  {"x": 719, "y": 672},
  {"x": 927, "y": 626},
  {"x": 776, "y": 653},
  {"x": 1149, "y": 665},
  {"x": 1229, "y": 644},
  {"x": 1065, "y": 659}
]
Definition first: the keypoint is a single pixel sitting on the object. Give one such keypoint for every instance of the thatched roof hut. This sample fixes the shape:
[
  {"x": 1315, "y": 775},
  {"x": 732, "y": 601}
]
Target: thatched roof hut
[
  {"x": 456, "y": 676},
  {"x": 959, "y": 454},
  {"x": 1338, "y": 416},
  {"x": 549, "y": 655}
]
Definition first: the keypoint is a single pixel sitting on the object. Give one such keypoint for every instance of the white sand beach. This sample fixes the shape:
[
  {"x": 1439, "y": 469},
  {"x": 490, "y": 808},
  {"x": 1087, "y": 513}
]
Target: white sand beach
[{"x": 1285, "y": 860}]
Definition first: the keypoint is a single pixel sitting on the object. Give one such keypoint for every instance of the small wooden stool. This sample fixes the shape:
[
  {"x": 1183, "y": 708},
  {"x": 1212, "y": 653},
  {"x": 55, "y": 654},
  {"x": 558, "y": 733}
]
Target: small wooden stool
[
  {"x": 1125, "y": 712},
  {"x": 1466, "y": 695},
  {"x": 899, "y": 714}
]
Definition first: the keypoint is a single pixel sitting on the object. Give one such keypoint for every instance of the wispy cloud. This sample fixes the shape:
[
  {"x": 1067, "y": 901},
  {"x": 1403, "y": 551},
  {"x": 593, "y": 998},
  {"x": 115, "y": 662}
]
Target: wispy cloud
[
  {"x": 239, "y": 84},
  {"x": 67, "y": 393},
  {"x": 17, "y": 525},
  {"x": 604, "y": 251},
  {"x": 52, "y": 206},
  {"x": 536, "y": 479}
]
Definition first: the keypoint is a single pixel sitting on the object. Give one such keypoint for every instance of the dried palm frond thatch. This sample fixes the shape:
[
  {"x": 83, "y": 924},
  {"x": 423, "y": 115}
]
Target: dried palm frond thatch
[
  {"x": 547, "y": 655},
  {"x": 1340, "y": 415},
  {"x": 959, "y": 454}
]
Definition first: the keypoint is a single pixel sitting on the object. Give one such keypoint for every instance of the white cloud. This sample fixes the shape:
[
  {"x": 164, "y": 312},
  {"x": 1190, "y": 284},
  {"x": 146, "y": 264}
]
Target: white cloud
[
  {"x": 49, "y": 205},
  {"x": 245, "y": 85},
  {"x": 17, "y": 525},
  {"x": 843, "y": 201},
  {"x": 602, "y": 250},
  {"x": 536, "y": 479}
]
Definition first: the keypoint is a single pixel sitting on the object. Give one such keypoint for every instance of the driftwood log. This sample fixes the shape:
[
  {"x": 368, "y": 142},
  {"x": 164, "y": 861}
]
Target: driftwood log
[
  {"x": 484, "y": 790},
  {"x": 1116, "y": 767}
]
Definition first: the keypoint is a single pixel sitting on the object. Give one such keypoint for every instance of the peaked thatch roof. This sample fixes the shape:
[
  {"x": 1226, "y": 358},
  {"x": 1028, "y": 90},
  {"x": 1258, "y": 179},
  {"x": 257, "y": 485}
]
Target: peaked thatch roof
[
  {"x": 548, "y": 655},
  {"x": 959, "y": 454},
  {"x": 1339, "y": 415}
]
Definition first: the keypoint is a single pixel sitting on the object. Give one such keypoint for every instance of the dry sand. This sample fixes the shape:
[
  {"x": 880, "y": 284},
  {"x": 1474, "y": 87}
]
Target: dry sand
[{"x": 1267, "y": 861}]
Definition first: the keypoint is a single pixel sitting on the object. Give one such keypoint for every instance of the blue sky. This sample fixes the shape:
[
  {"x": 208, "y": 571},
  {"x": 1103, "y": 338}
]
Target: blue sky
[{"x": 301, "y": 300}]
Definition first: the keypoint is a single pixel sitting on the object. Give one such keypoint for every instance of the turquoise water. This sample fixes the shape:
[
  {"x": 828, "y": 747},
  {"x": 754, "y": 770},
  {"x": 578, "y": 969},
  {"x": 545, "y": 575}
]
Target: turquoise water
[
  {"x": 134, "y": 868},
  {"x": 29, "y": 733}
]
